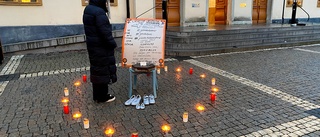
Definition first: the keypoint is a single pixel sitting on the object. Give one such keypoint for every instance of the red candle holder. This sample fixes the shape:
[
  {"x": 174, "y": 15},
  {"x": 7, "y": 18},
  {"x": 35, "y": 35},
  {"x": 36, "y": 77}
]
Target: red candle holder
[
  {"x": 84, "y": 78},
  {"x": 134, "y": 134},
  {"x": 213, "y": 96},
  {"x": 65, "y": 109},
  {"x": 191, "y": 71}
]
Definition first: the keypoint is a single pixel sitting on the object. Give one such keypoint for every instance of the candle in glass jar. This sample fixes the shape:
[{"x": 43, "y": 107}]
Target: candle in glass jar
[
  {"x": 66, "y": 109},
  {"x": 165, "y": 68},
  {"x": 66, "y": 92},
  {"x": 213, "y": 96},
  {"x": 191, "y": 71},
  {"x": 158, "y": 70},
  {"x": 86, "y": 123},
  {"x": 185, "y": 117},
  {"x": 134, "y": 134},
  {"x": 84, "y": 78},
  {"x": 213, "y": 81}
]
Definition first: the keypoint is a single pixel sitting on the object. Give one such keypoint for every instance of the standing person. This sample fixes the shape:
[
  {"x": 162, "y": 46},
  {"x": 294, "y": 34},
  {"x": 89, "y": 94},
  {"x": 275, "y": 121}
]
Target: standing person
[{"x": 100, "y": 46}]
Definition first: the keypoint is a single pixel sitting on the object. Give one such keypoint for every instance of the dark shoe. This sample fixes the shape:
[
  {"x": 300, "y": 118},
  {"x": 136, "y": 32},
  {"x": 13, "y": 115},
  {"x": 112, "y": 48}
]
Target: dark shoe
[{"x": 110, "y": 98}]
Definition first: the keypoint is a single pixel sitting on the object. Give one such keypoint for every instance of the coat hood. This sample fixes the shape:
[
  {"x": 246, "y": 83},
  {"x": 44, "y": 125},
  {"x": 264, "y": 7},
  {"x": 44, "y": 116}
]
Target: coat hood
[{"x": 99, "y": 3}]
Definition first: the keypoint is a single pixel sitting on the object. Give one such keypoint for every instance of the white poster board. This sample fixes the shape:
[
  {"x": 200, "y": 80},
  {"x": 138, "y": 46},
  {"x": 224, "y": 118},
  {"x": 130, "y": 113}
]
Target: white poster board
[{"x": 143, "y": 41}]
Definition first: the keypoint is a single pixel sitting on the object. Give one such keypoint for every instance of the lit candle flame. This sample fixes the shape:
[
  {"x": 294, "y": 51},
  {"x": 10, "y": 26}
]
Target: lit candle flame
[
  {"x": 200, "y": 108},
  {"x": 166, "y": 128},
  {"x": 215, "y": 89},
  {"x": 77, "y": 83},
  {"x": 109, "y": 131},
  {"x": 202, "y": 76},
  {"x": 178, "y": 69},
  {"x": 77, "y": 115},
  {"x": 65, "y": 100}
]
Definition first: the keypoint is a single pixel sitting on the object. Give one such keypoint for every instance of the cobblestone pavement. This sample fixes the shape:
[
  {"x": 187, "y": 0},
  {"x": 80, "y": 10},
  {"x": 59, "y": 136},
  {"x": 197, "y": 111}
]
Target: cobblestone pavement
[{"x": 273, "y": 92}]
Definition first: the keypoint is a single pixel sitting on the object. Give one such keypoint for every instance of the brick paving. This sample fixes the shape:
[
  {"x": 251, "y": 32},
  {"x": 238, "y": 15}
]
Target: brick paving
[{"x": 262, "y": 93}]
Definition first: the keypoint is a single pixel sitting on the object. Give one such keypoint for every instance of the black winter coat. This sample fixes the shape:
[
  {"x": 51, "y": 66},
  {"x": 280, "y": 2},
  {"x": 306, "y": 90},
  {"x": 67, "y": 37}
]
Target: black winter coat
[{"x": 100, "y": 43}]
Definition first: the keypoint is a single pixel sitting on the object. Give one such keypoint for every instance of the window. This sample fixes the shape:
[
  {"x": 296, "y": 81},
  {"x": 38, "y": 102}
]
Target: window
[
  {"x": 112, "y": 2},
  {"x": 21, "y": 2},
  {"x": 290, "y": 2}
]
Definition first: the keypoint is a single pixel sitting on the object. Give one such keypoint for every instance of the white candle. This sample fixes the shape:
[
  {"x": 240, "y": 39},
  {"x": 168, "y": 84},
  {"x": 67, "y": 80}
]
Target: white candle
[
  {"x": 185, "y": 117},
  {"x": 213, "y": 81},
  {"x": 86, "y": 123},
  {"x": 165, "y": 68},
  {"x": 66, "y": 92},
  {"x": 158, "y": 70}
]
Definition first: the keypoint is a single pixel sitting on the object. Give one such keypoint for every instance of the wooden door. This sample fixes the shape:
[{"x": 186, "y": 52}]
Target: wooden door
[
  {"x": 259, "y": 12},
  {"x": 221, "y": 11},
  {"x": 173, "y": 10}
]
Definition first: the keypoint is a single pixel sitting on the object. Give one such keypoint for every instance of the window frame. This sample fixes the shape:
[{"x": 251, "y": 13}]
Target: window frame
[
  {"x": 20, "y": 3},
  {"x": 115, "y": 3},
  {"x": 290, "y": 2}
]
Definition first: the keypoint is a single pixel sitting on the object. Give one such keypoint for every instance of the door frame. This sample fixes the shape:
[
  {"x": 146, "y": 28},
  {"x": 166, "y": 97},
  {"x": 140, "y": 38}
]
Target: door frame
[
  {"x": 180, "y": 10},
  {"x": 229, "y": 12},
  {"x": 269, "y": 12}
]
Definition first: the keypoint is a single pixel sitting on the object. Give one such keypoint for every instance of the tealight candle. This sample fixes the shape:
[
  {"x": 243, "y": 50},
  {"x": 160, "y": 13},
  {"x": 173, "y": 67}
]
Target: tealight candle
[
  {"x": 213, "y": 96},
  {"x": 200, "y": 108},
  {"x": 214, "y": 89},
  {"x": 134, "y": 134},
  {"x": 213, "y": 81},
  {"x": 165, "y": 68},
  {"x": 185, "y": 117},
  {"x": 86, "y": 123},
  {"x": 191, "y": 71},
  {"x": 66, "y": 92},
  {"x": 84, "y": 78},
  {"x": 166, "y": 128},
  {"x": 65, "y": 100},
  {"x": 77, "y": 83},
  {"x": 202, "y": 76},
  {"x": 109, "y": 132},
  {"x": 178, "y": 69},
  {"x": 77, "y": 116}
]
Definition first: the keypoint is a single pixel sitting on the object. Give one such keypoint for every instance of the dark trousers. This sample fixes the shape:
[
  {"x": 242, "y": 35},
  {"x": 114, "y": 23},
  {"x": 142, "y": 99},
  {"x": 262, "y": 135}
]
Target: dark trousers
[{"x": 100, "y": 92}]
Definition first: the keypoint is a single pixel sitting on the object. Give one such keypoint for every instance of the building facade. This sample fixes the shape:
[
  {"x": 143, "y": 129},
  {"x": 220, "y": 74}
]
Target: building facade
[{"x": 29, "y": 20}]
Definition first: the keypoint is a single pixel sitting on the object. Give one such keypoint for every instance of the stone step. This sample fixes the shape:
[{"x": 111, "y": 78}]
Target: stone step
[
  {"x": 204, "y": 42},
  {"x": 237, "y": 31},
  {"x": 215, "y": 38}
]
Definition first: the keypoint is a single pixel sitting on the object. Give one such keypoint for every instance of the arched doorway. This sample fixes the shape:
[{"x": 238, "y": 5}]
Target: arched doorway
[
  {"x": 173, "y": 10},
  {"x": 259, "y": 12},
  {"x": 217, "y": 12}
]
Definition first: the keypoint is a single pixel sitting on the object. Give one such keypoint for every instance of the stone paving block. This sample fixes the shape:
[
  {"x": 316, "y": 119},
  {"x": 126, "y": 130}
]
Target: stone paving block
[{"x": 229, "y": 112}]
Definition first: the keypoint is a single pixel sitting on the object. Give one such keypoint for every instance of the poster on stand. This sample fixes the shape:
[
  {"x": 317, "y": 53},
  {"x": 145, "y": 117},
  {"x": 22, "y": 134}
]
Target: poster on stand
[{"x": 143, "y": 42}]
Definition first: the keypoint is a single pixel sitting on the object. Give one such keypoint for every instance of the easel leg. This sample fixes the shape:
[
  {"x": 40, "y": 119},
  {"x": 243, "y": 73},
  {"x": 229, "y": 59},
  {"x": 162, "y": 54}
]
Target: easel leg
[
  {"x": 135, "y": 81},
  {"x": 130, "y": 83},
  {"x": 154, "y": 83}
]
